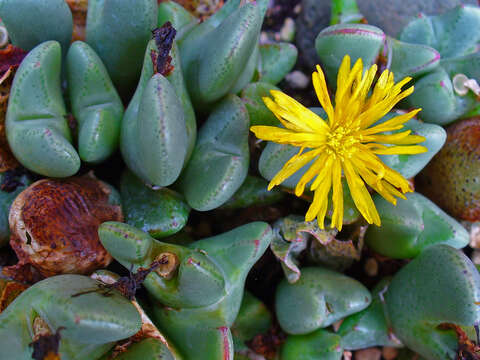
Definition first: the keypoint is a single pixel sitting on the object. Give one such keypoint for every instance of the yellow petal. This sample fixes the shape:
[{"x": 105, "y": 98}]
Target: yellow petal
[
  {"x": 337, "y": 196},
  {"x": 320, "y": 86},
  {"x": 401, "y": 138},
  {"x": 298, "y": 111},
  {"x": 395, "y": 123},
  {"x": 362, "y": 199},
  {"x": 312, "y": 171},
  {"x": 402, "y": 150},
  {"x": 285, "y": 136},
  {"x": 292, "y": 166}
]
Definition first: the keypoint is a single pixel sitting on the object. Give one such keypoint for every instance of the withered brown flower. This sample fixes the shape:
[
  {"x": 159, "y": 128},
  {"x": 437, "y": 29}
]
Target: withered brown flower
[{"x": 54, "y": 227}]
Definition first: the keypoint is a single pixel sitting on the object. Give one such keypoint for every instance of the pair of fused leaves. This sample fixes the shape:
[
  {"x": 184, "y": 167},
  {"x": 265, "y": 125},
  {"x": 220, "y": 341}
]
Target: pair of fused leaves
[
  {"x": 76, "y": 303},
  {"x": 118, "y": 31},
  {"x": 36, "y": 123},
  {"x": 432, "y": 49},
  {"x": 201, "y": 296},
  {"x": 159, "y": 133}
]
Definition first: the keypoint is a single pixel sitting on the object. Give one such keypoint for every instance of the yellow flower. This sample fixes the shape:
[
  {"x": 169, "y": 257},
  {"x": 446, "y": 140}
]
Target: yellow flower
[{"x": 347, "y": 143}]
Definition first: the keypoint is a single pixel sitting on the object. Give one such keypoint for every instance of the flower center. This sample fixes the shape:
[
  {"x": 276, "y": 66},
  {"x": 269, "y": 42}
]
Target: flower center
[{"x": 340, "y": 142}]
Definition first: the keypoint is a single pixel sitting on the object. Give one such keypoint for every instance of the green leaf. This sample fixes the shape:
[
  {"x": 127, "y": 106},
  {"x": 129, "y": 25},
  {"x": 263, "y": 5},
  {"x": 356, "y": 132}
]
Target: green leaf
[
  {"x": 219, "y": 163},
  {"x": 440, "y": 286},
  {"x": 96, "y": 105},
  {"x": 159, "y": 212},
  {"x": 36, "y": 127},
  {"x": 29, "y": 22},
  {"x": 91, "y": 320},
  {"x": 119, "y": 31},
  {"x": 320, "y": 298},
  {"x": 320, "y": 344},
  {"x": 412, "y": 226},
  {"x": 277, "y": 60}
]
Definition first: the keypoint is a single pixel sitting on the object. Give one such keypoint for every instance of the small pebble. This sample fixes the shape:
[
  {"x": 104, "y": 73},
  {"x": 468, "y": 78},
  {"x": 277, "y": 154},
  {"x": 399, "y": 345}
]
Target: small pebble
[
  {"x": 297, "y": 80},
  {"x": 474, "y": 230},
  {"x": 287, "y": 32},
  {"x": 389, "y": 353},
  {"x": 476, "y": 257},
  {"x": 368, "y": 354},
  {"x": 371, "y": 267}
]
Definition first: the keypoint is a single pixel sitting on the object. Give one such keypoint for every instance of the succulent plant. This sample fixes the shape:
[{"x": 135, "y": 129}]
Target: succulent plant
[
  {"x": 368, "y": 327},
  {"x": 431, "y": 49},
  {"x": 420, "y": 299},
  {"x": 320, "y": 344},
  {"x": 412, "y": 226},
  {"x": 89, "y": 319},
  {"x": 318, "y": 299},
  {"x": 199, "y": 286},
  {"x": 126, "y": 100}
]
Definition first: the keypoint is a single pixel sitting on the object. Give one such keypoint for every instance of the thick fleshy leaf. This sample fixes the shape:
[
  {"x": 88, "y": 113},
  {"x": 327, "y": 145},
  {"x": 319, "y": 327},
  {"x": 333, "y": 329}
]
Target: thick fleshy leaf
[
  {"x": 440, "y": 286},
  {"x": 154, "y": 140},
  {"x": 160, "y": 212},
  {"x": 253, "y": 319},
  {"x": 29, "y": 22},
  {"x": 252, "y": 96},
  {"x": 216, "y": 53},
  {"x": 219, "y": 163},
  {"x": 253, "y": 192},
  {"x": 96, "y": 105},
  {"x": 320, "y": 298},
  {"x": 203, "y": 291},
  {"x": 146, "y": 349},
  {"x": 90, "y": 319},
  {"x": 178, "y": 82},
  {"x": 454, "y": 33},
  {"x": 368, "y": 328},
  {"x": 119, "y": 31},
  {"x": 320, "y": 344},
  {"x": 277, "y": 60},
  {"x": 434, "y": 93},
  {"x": 411, "y": 59},
  {"x": 412, "y": 226},
  {"x": 161, "y": 135},
  {"x": 37, "y": 130},
  {"x": 357, "y": 40}
]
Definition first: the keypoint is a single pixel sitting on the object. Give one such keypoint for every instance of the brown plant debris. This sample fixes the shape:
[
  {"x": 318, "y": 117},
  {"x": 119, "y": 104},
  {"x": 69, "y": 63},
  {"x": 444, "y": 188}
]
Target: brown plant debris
[
  {"x": 127, "y": 285},
  {"x": 45, "y": 347},
  {"x": 54, "y": 228},
  {"x": 9, "y": 290},
  {"x": 161, "y": 59},
  {"x": 79, "y": 11},
  {"x": 467, "y": 349},
  {"x": 10, "y": 59},
  {"x": 267, "y": 344}
]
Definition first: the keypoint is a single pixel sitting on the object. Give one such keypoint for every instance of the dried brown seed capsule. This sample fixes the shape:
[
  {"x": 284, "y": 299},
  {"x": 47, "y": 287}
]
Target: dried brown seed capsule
[
  {"x": 168, "y": 264},
  {"x": 452, "y": 178},
  {"x": 54, "y": 226}
]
